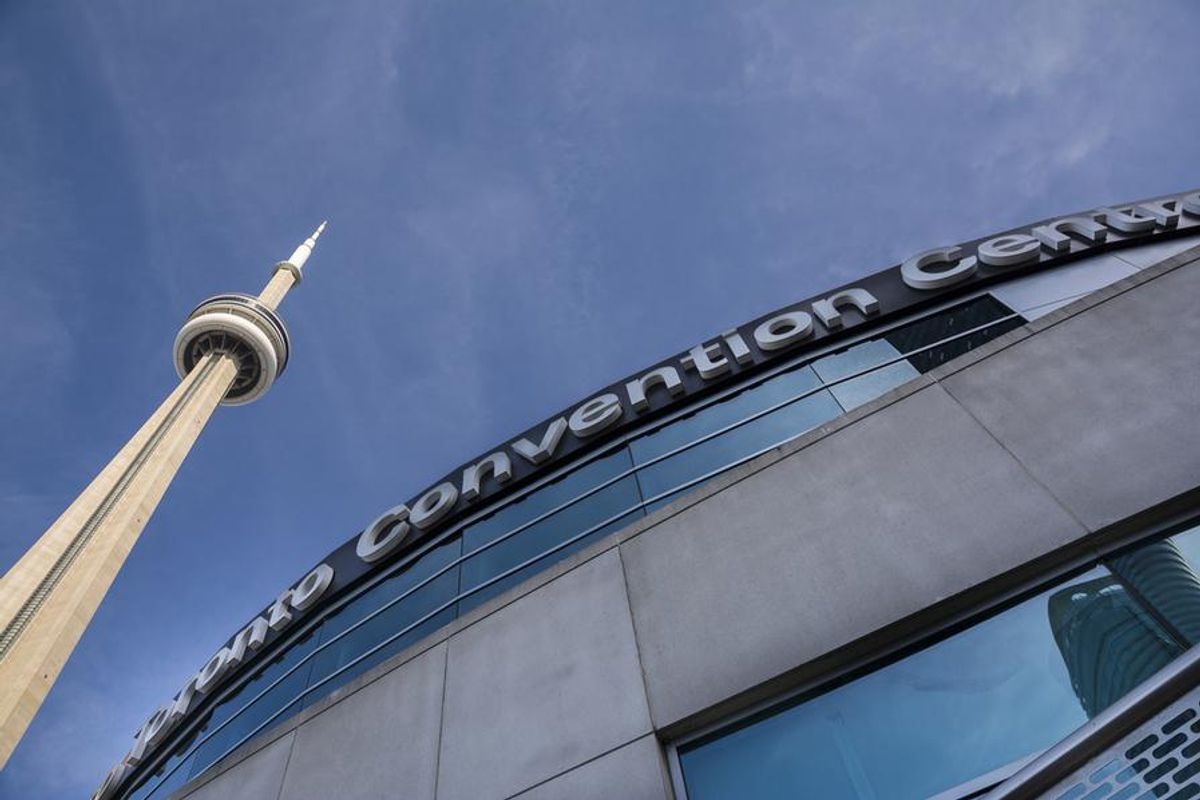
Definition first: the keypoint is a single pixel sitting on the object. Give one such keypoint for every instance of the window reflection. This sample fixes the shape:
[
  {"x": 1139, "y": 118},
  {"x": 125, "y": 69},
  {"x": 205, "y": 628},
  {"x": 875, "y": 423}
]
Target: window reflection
[
  {"x": 416, "y": 604},
  {"x": 1188, "y": 543},
  {"x": 854, "y": 392},
  {"x": 724, "y": 450},
  {"x": 150, "y": 789},
  {"x": 1108, "y": 642},
  {"x": 952, "y": 322},
  {"x": 284, "y": 695},
  {"x": 1165, "y": 574},
  {"x": 565, "y": 524},
  {"x": 685, "y": 430},
  {"x": 1010, "y": 686}
]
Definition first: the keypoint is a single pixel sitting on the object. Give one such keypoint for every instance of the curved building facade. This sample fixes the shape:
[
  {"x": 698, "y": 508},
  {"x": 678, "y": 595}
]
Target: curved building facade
[{"x": 901, "y": 540}]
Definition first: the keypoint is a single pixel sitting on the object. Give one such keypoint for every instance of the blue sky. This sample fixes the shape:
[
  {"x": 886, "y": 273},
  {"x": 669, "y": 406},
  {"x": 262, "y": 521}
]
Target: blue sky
[{"x": 526, "y": 201}]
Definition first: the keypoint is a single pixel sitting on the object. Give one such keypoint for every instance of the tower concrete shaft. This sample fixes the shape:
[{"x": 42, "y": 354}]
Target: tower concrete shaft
[{"x": 230, "y": 351}]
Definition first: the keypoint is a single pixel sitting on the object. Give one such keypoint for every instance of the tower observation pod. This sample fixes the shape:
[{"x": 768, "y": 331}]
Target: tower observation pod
[{"x": 230, "y": 351}]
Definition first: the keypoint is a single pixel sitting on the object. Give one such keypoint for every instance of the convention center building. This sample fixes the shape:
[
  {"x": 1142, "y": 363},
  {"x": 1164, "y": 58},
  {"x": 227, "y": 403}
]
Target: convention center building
[{"x": 931, "y": 534}]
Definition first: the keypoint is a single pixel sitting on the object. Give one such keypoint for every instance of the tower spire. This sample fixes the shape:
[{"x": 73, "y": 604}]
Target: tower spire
[
  {"x": 289, "y": 273},
  {"x": 229, "y": 351},
  {"x": 304, "y": 250}
]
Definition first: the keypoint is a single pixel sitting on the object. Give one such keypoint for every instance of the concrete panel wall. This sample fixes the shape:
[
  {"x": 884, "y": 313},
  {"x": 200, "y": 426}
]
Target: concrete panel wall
[
  {"x": 380, "y": 742},
  {"x": 540, "y": 690},
  {"x": 875, "y": 522},
  {"x": 557, "y": 688},
  {"x": 256, "y": 778},
  {"x": 542, "y": 685},
  {"x": 1102, "y": 408},
  {"x": 636, "y": 771}
]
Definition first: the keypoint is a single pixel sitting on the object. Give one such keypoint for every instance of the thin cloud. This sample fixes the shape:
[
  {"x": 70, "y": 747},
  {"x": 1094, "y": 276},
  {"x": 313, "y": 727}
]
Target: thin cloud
[{"x": 527, "y": 201}]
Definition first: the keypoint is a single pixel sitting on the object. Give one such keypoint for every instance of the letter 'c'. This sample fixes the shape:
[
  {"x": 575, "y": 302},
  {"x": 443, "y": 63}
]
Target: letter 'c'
[
  {"x": 383, "y": 535},
  {"x": 915, "y": 275}
]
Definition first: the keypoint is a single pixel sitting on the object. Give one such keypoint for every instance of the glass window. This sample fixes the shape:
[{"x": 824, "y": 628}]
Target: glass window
[
  {"x": 677, "y": 433},
  {"x": 952, "y": 322},
  {"x": 1005, "y": 688},
  {"x": 518, "y": 549},
  {"x": 1039, "y": 293},
  {"x": 418, "y": 603},
  {"x": 856, "y": 391},
  {"x": 1188, "y": 543},
  {"x": 612, "y": 500},
  {"x": 1108, "y": 641},
  {"x": 661, "y": 480},
  {"x": 284, "y": 695},
  {"x": 1165, "y": 574},
  {"x": 151, "y": 789}
]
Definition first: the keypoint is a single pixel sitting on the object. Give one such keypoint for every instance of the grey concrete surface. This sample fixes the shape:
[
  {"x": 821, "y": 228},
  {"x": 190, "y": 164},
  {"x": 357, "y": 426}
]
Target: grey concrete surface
[
  {"x": 1102, "y": 408},
  {"x": 636, "y": 771},
  {"x": 380, "y": 743},
  {"x": 874, "y": 522},
  {"x": 256, "y": 778},
  {"x": 541, "y": 686}
]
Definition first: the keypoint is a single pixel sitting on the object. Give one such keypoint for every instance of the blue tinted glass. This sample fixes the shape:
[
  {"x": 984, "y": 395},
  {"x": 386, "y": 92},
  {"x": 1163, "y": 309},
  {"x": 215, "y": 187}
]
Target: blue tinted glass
[
  {"x": 418, "y": 603},
  {"x": 856, "y": 391},
  {"x": 179, "y": 768},
  {"x": 1003, "y": 689},
  {"x": 1166, "y": 574},
  {"x": 1108, "y": 641},
  {"x": 1188, "y": 543},
  {"x": 546, "y": 498},
  {"x": 688, "y": 429},
  {"x": 953, "y": 322},
  {"x": 285, "y": 695},
  {"x": 621, "y": 496},
  {"x": 659, "y": 480},
  {"x": 516, "y": 552},
  {"x": 665, "y": 500}
]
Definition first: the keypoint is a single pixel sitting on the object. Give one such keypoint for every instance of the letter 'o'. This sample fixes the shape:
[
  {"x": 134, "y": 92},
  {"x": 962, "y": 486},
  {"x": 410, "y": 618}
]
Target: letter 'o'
[
  {"x": 433, "y": 506},
  {"x": 784, "y": 330},
  {"x": 309, "y": 590}
]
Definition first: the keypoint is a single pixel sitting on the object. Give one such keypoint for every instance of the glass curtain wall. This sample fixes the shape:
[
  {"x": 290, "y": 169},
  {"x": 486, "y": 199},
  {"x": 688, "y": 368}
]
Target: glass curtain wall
[
  {"x": 509, "y": 561},
  {"x": 1003, "y": 689}
]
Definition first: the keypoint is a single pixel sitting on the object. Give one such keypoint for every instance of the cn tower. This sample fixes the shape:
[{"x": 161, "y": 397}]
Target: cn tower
[{"x": 229, "y": 351}]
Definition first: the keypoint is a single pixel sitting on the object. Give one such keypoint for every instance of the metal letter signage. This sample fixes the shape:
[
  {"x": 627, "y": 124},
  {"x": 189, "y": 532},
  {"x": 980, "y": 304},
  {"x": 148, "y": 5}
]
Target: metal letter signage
[
  {"x": 916, "y": 273},
  {"x": 300, "y": 598},
  {"x": 931, "y": 276}
]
